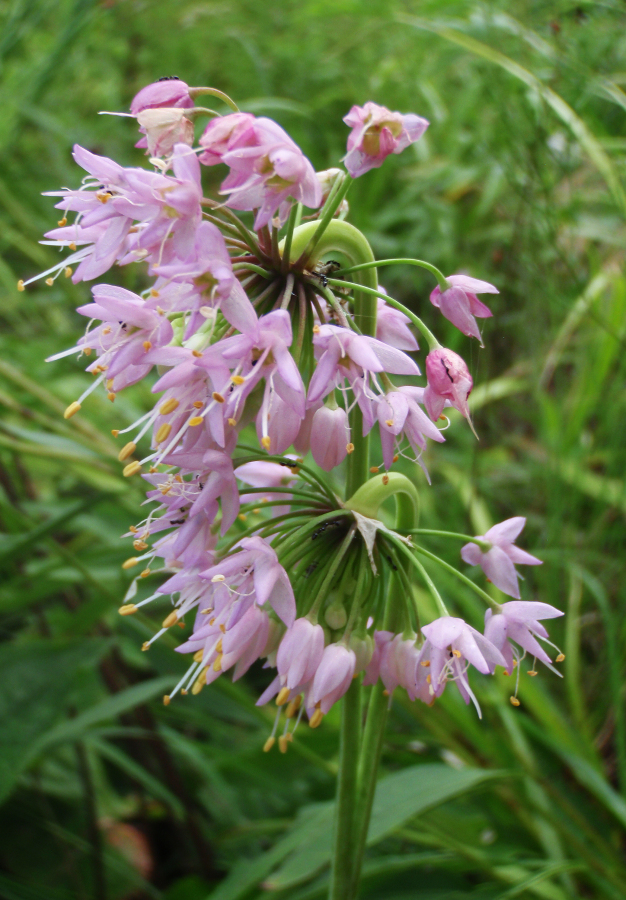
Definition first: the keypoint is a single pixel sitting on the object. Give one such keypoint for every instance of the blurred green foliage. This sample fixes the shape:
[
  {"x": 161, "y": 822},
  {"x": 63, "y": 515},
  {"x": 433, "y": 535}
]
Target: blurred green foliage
[{"x": 519, "y": 180}]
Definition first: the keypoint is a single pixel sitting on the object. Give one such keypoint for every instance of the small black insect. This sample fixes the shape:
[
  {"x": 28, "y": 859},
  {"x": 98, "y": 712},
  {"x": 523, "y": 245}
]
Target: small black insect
[
  {"x": 311, "y": 569},
  {"x": 323, "y": 270},
  {"x": 177, "y": 521},
  {"x": 169, "y": 78},
  {"x": 390, "y": 561}
]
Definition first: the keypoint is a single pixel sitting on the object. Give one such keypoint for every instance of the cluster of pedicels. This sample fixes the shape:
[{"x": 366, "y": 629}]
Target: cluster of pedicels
[{"x": 274, "y": 321}]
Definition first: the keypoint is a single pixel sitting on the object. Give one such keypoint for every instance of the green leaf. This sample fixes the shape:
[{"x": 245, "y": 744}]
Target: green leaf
[
  {"x": 399, "y": 797},
  {"x": 37, "y": 678}
]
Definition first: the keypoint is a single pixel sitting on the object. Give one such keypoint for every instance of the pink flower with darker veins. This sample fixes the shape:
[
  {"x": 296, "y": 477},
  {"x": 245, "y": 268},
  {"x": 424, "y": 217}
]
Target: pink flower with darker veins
[
  {"x": 498, "y": 562},
  {"x": 518, "y": 620},
  {"x": 377, "y": 132},
  {"x": 460, "y": 304}
]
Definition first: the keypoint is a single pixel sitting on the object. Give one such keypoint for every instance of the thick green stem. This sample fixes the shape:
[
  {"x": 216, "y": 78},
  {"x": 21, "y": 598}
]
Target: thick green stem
[
  {"x": 443, "y": 284},
  {"x": 343, "y": 879}
]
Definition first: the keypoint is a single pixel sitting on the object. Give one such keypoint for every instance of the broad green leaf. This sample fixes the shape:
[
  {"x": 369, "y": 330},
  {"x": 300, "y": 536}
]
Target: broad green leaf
[{"x": 399, "y": 797}]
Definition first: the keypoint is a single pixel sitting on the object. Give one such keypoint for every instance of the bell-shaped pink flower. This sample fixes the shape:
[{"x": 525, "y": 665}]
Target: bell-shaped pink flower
[
  {"x": 463, "y": 642},
  {"x": 332, "y": 678},
  {"x": 518, "y": 621},
  {"x": 399, "y": 413},
  {"x": 460, "y": 304},
  {"x": 392, "y": 327},
  {"x": 244, "y": 643},
  {"x": 448, "y": 379},
  {"x": 221, "y": 133},
  {"x": 300, "y": 653},
  {"x": 377, "y": 132},
  {"x": 498, "y": 562},
  {"x": 330, "y": 434}
]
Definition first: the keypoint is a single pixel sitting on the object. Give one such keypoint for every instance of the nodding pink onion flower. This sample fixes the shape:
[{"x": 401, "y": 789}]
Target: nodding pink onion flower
[
  {"x": 166, "y": 92},
  {"x": 498, "y": 563},
  {"x": 460, "y": 304},
  {"x": 392, "y": 327},
  {"x": 332, "y": 678},
  {"x": 300, "y": 653},
  {"x": 448, "y": 379},
  {"x": 330, "y": 435},
  {"x": 518, "y": 621},
  {"x": 377, "y": 132}
]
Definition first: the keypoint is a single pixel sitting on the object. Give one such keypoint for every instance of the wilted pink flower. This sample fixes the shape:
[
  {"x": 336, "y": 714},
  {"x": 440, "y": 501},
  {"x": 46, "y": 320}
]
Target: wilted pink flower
[
  {"x": 498, "y": 562},
  {"x": 518, "y": 621},
  {"x": 332, "y": 678},
  {"x": 448, "y": 379},
  {"x": 330, "y": 435},
  {"x": 163, "y": 128},
  {"x": 300, "y": 653},
  {"x": 377, "y": 132},
  {"x": 460, "y": 304}
]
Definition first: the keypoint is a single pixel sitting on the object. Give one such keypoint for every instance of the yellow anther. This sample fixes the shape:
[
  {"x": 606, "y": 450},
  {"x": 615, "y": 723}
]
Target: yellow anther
[
  {"x": 126, "y": 451},
  {"x": 115, "y": 432},
  {"x": 170, "y": 620},
  {"x": 169, "y": 406},
  {"x": 145, "y": 646},
  {"x": 316, "y": 329},
  {"x": 198, "y": 404},
  {"x": 560, "y": 657},
  {"x": 219, "y": 646},
  {"x": 385, "y": 479},
  {"x": 237, "y": 379},
  {"x": 163, "y": 432},
  {"x": 20, "y": 285},
  {"x": 396, "y": 458},
  {"x": 109, "y": 384},
  {"x": 265, "y": 442},
  {"x": 532, "y": 673},
  {"x": 147, "y": 345},
  {"x": 49, "y": 281},
  {"x": 196, "y": 420},
  {"x": 389, "y": 422},
  {"x": 256, "y": 511},
  {"x": 316, "y": 718},
  {"x": 145, "y": 573},
  {"x": 429, "y": 680},
  {"x": 67, "y": 271},
  {"x": 269, "y": 743},
  {"x": 166, "y": 699},
  {"x": 131, "y": 469},
  {"x": 197, "y": 657},
  {"x": 223, "y": 628},
  {"x": 283, "y": 743},
  {"x": 457, "y": 653},
  {"x": 71, "y": 410},
  {"x": 217, "y": 578},
  {"x": 140, "y": 545},
  {"x": 111, "y": 396},
  {"x": 178, "y": 478},
  {"x": 62, "y": 222},
  {"x": 293, "y": 707},
  {"x": 217, "y": 397},
  {"x": 154, "y": 293},
  {"x": 132, "y": 561},
  {"x": 514, "y": 701},
  {"x": 374, "y": 470},
  {"x": 232, "y": 422},
  {"x": 181, "y": 624},
  {"x": 72, "y": 245},
  {"x": 103, "y": 196},
  {"x": 87, "y": 352},
  {"x": 425, "y": 663},
  {"x": 283, "y": 696},
  {"x": 242, "y": 517},
  {"x": 196, "y": 353},
  {"x": 217, "y": 665},
  {"x": 152, "y": 470},
  {"x": 133, "y": 529},
  {"x": 350, "y": 447},
  {"x": 127, "y": 610},
  {"x": 184, "y": 692}
]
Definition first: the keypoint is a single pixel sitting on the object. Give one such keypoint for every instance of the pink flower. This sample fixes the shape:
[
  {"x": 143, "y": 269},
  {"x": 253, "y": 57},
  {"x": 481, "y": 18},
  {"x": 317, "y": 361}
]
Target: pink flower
[
  {"x": 448, "y": 379},
  {"x": 392, "y": 327},
  {"x": 165, "y": 92},
  {"x": 300, "y": 653},
  {"x": 164, "y": 128},
  {"x": 267, "y": 172},
  {"x": 377, "y": 132},
  {"x": 221, "y": 133},
  {"x": 330, "y": 434},
  {"x": 518, "y": 621},
  {"x": 460, "y": 304},
  {"x": 244, "y": 643},
  {"x": 399, "y": 414},
  {"x": 332, "y": 678},
  {"x": 498, "y": 562}
]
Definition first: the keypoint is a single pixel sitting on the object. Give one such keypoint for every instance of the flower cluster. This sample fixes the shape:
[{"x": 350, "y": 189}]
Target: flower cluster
[{"x": 273, "y": 322}]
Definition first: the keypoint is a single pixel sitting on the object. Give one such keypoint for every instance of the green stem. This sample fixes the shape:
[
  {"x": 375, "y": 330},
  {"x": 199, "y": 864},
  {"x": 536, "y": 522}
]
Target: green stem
[
  {"x": 443, "y": 284},
  {"x": 197, "y": 92},
  {"x": 294, "y": 215},
  {"x": 484, "y": 545},
  {"x": 333, "y": 202},
  {"x": 433, "y": 343},
  {"x": 252, "y": 268},
  {"x": 342, "y": 883},
  {"x": 468, "y": 581}
]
